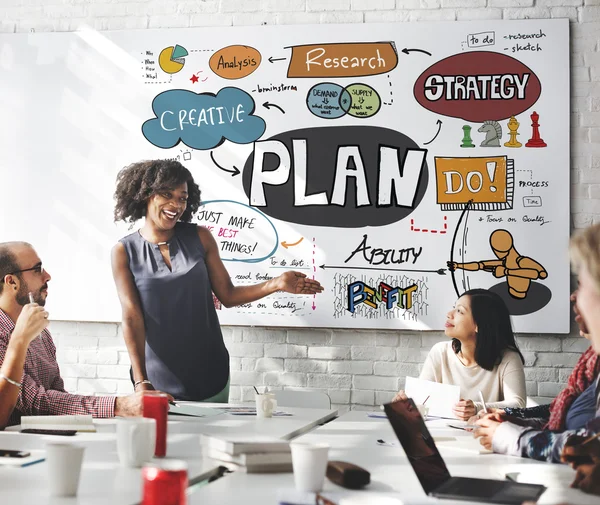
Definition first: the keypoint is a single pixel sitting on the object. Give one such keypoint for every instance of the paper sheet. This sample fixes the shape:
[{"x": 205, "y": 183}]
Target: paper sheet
[
  {"x": 192, "y": 409},
  {"x": 442, "y": 397}
]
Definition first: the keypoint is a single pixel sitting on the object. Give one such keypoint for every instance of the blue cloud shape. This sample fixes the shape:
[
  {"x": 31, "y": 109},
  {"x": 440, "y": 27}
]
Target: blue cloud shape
[{"x": 203, "y": 120}]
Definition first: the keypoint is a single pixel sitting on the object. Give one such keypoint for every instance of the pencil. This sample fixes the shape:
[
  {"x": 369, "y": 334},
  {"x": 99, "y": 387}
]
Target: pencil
[{"x": 590, "y": 439}]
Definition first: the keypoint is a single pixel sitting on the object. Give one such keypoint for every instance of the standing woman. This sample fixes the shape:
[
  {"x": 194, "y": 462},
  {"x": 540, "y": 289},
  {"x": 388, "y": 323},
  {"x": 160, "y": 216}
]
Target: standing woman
[
  {"x": 165, "y": 274},
  {"x": 481, "y": 356}
]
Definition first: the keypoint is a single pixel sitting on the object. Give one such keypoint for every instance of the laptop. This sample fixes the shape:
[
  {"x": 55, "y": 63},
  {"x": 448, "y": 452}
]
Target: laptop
[{"x": 432, "y": 472}]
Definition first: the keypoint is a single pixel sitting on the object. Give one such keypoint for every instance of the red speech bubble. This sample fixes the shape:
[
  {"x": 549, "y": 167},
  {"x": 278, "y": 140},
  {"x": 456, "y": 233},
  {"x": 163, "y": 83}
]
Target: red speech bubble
[{"x": 478, "y": 86}]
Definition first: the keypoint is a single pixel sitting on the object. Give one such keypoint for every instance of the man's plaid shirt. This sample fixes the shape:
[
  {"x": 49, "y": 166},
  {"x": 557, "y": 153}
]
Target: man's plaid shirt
[{"x": 43, "y": 391}]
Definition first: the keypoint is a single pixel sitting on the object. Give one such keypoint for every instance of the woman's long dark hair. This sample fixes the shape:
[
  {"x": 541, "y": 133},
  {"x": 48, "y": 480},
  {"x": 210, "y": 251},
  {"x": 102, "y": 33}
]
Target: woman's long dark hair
[{"x": 494, "y": 330}]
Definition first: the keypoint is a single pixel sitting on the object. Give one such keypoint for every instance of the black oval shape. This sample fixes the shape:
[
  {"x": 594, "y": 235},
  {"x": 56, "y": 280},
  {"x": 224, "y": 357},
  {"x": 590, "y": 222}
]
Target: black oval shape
[{"x": 322, "y": 148}]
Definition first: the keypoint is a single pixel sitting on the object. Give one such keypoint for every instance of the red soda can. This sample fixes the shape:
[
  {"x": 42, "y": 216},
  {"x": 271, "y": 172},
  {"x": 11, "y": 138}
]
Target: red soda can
[
  {"x": 165, "y": 483},
  {"x": 155, "y": 405}
]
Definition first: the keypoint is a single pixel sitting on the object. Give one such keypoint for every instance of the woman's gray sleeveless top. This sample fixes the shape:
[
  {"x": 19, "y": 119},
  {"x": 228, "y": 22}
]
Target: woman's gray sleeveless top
[{"x": 185, "y": 353}]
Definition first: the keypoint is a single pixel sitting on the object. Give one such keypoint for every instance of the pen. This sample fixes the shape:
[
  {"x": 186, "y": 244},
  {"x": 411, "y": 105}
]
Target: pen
[
  {"x": 173, "y": 403},
  {"x": 31, "y": 300},
  {"x": 483, "y": 402}
]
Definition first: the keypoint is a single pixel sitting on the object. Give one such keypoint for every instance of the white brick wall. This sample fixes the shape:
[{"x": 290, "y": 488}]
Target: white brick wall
[{"x": 357, "y": 368}]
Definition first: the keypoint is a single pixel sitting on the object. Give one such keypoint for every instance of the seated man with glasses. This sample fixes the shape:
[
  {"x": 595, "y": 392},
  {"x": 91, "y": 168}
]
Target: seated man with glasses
[{"x": 30, "y": 382}]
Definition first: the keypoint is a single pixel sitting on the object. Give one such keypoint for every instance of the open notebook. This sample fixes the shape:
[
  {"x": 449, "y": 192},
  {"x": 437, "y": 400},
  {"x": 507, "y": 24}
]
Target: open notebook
[{"x": 78, "y": 423}]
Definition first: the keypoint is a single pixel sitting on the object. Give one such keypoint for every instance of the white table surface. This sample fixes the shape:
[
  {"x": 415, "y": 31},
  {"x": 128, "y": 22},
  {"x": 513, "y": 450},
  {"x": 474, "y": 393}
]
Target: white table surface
[
  {"x": 104, "y": 481},
  {"x": 353, "y": 438}
]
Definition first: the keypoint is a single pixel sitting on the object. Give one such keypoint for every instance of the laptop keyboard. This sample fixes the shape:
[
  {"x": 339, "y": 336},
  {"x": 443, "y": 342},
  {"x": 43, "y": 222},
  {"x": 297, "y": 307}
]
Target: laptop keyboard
[{"x": 482, "y": 488}]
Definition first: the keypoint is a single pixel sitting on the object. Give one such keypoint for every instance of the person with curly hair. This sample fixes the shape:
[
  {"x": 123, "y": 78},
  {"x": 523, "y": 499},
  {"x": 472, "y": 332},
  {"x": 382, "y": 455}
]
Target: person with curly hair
[{"x": 165, "y": 274}]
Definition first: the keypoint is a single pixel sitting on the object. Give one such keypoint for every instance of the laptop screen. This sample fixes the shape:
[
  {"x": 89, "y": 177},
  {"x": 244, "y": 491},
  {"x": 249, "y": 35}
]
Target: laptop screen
[{"x": 418, "y": 444}]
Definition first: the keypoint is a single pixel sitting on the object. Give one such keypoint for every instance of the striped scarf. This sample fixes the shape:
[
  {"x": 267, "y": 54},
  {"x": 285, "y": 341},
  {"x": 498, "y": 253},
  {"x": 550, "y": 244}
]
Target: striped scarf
[{"x": 583, "y": 375}]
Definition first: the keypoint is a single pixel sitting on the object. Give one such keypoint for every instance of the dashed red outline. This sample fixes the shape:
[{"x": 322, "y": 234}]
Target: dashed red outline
[{"x": 427, "y": 230}]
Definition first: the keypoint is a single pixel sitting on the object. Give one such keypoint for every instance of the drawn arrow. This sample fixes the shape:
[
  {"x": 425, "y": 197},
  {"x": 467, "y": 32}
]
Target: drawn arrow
[
  {"x": 273, "y": 60},
  {"x": 406, "y": 51},
  {"x": 268, "y": 105},
  {"x": 439, "y": 123},
  {"x": 233, "y": 172},
  {"x": 441, "y": 271},
  {"x": 314, "y": 306},
  {"x": 286, "y": 245}
]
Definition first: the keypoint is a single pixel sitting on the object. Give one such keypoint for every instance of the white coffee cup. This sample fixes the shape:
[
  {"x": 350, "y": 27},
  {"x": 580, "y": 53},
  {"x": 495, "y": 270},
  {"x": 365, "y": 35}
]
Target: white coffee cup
[
  {"x": 310, "y": 463},
  {"x": 265, "y": 405},
  {"x": 136, "y": 440},
  {"x": 64, "y": 467}
]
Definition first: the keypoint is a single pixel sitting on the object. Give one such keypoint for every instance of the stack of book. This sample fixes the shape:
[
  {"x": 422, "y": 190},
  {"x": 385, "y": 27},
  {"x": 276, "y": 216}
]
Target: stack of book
[
  {"x": 251, "y": 455},
  {"x": 81, "y": 423}
]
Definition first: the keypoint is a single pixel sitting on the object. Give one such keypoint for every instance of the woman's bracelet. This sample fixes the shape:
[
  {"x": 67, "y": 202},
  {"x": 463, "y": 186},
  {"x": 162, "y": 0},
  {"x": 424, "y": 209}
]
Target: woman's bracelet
[
  {"x": 145, "y": 381},
  {"x": 15, "y": 383}
]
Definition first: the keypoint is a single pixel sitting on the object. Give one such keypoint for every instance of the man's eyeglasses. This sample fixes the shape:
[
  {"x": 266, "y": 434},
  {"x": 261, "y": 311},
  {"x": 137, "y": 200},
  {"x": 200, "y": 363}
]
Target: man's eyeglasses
[{"x": 38, "y": 269}]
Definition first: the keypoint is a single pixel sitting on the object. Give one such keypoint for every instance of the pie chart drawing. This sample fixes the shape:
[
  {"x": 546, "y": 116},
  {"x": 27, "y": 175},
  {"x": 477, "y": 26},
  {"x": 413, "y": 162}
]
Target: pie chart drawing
[{"x": 171, "y": 59}]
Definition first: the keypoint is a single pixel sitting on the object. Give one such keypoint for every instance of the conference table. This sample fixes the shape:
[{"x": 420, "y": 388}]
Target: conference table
[
  {"x": 353, "y": 437},
  {"x": 104, "y": 481}
]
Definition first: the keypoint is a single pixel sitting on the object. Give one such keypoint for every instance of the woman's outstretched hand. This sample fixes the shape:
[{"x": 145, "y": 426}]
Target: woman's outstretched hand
[{"x": 298, "y": 283}]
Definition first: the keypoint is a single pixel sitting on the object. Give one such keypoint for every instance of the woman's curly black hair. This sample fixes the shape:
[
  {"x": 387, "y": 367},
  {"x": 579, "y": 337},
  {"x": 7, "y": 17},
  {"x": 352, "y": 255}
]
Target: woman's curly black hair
[{"x": 139, "y": 181}]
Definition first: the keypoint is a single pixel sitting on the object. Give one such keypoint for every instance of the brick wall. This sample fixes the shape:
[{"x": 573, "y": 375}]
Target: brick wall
[{"x": 357, "y": 368}]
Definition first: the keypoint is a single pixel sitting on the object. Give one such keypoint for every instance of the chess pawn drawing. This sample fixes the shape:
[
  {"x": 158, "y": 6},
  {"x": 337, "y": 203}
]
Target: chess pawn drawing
[
  {"x": 513, "y": 126},
  {"x": 466, "y": 141},
  {"x": 535, "y": 140}
]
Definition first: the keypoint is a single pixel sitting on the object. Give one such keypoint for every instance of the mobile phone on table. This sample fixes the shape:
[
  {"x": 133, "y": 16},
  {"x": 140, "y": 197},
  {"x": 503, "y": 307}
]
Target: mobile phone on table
[
  {"x": 8, "y": 453},
  {"x": 66, "y": 433}
]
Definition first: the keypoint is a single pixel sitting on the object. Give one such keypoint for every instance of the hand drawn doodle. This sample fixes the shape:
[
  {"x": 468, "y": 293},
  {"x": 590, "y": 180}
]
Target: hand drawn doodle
[
  {"x": 488, "y": 182},
  {"x": 353, "y": 59},
  {"x": 520, "y": 272},
  {"x": 242, "y": 233},
  {"x": 493, "y": 133},
  {"x": 339, "y": 176},
  {"x": 235, "y": 62},
  {"x": 478, "y": 86},
  {"x": 203, "y": 120},
  {"x": 172, "y": 59}
]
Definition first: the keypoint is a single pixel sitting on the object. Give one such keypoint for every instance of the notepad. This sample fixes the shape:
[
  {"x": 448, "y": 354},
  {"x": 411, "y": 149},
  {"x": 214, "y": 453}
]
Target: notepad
[
  {"x": 83, "y": 423},
  {"x": 442, "y": 397},
  {"x": 464, "y": 444}
]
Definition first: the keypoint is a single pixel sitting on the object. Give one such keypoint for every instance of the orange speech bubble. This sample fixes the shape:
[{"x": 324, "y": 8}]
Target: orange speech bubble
[
  {"x": 488, "y": 181},
  {"x": 355, "y": 59},
  {"x": 235, "y": 62}
]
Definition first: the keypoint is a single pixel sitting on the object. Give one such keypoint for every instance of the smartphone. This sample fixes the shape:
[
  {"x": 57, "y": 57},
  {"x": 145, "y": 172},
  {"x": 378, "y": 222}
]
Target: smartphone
[
  {"x": 7, "y": 453},
  {"x": 66, "y": 433}
]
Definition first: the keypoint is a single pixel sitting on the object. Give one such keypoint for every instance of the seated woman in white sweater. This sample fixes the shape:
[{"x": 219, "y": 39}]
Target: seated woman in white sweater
[{"x": 482, "y": 355}]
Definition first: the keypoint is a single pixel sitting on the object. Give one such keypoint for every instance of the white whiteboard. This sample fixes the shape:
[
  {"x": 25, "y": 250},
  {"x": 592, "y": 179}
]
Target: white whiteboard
[{"x": 348, "y": 140}]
